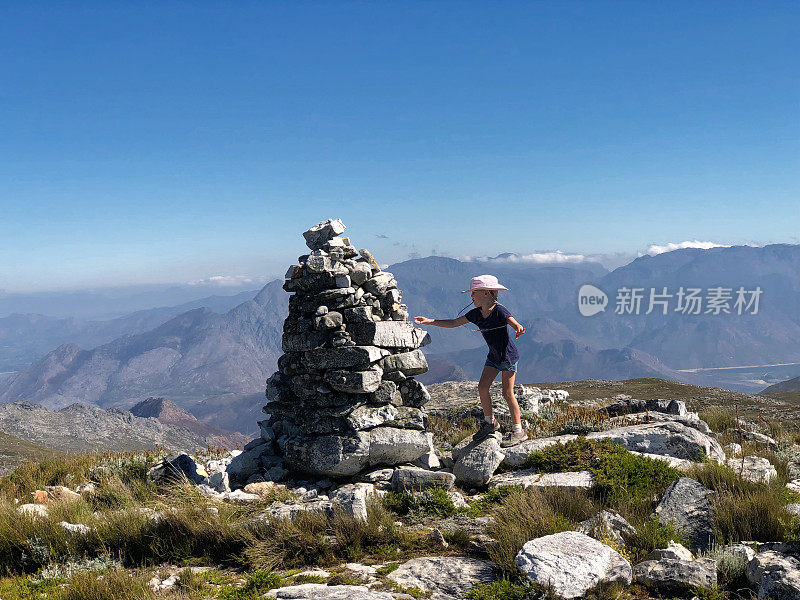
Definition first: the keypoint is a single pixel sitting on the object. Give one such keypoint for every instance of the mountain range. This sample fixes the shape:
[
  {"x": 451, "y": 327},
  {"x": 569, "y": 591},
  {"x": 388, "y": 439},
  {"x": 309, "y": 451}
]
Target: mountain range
[
  {"x": 214, "y": 364},
  {"x": 27, "y": 337},
  {"x": 81, "y": 428}
]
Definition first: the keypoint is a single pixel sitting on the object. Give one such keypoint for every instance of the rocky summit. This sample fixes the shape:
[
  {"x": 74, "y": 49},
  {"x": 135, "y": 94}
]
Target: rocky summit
[{"x": 344, "y": 397}]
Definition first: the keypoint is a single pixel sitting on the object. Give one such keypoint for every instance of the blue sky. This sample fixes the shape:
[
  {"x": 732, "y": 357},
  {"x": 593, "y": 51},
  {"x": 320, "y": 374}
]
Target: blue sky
[{"x": 173, "y": 141}]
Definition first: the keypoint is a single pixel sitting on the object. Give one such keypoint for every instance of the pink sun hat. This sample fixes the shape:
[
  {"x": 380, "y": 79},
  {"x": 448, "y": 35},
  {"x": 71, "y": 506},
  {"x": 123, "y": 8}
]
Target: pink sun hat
[{"x": 484, "y": 282}]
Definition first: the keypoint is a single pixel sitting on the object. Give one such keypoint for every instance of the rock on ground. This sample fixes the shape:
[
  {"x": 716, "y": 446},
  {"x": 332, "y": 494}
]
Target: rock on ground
[
  {"x": 289, "y": 510},
  {"x": 673, "y": 550},
  {"x": 530, "y": 478},
  {"x": 320, "y": 591},
  {"x": 476, "y": 461},
  {"x": 352, "y": 498},
  {"x": 607, "y": 523},
  {"x": 448, "y": 577},
  {"x": 667, "y": 438},
  {"x": 675, "y": 575},
  {"x": 686, "y": 504},
  {"x": 175, "y": 467},
  {"x": 572, "y": 563},
  {"x": 753, "y": 468},
  {"x": 774, "y": 575},
  {"x": 417, "y": 480},
  {"x": 33, "y": 510}
]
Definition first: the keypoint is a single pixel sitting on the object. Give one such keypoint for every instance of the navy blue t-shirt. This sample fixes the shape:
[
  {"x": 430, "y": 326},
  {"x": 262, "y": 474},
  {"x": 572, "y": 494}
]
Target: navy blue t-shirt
[{"x": 501, "y": 346}]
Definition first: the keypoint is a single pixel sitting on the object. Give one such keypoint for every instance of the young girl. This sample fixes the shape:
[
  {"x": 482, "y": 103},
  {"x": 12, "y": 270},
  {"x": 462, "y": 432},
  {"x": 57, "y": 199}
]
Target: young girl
[{"x": 492, "y": 319}]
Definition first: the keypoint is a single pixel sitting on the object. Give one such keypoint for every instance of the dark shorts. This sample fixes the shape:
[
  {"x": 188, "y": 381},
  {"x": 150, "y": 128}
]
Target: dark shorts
[{"x": 503, "y": 366}]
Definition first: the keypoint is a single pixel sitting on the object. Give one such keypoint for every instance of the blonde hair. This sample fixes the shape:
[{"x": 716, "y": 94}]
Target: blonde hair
[{"x": 494, "y": 294}]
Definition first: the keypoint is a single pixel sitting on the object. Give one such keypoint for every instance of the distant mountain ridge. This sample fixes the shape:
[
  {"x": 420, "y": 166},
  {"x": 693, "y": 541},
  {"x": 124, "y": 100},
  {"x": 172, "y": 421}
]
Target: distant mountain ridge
[
  {"x": 790, "y": 385},
  {"x": 686, "y": 341},
  {"x": 24, "y": 338},
  {"x": 80, "y": 428},
  {"x": 214, "y": 365},
  {"x": 171, "y": 414},
  {"x": 191, "y": 357}
]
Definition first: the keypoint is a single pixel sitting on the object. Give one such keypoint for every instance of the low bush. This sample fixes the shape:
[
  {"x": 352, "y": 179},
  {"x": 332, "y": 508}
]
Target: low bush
[
  {"x": 110, "y": 585},
  {"x": 650, "y": 535},
  {"x": 744, "y": 510},
  {"x": 451, "y": 432},
  {"x": 623, "y": 480},
  {"x": 502, "y": 589},
  {"x": 489, "y": 500},
  {"x": 312, "y": 539},
  {"x": 719, "y": 419},
  {"x": 430, "y": 503},
  {"x": 561, "y": 418}
]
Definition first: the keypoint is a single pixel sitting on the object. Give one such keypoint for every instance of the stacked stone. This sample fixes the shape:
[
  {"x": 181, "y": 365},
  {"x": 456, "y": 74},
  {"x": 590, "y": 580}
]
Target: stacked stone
[{"x": 344, "y": 397}]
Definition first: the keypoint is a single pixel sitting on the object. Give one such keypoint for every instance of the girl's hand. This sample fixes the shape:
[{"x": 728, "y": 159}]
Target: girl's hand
[
  {"x": 423, "y": 320},
  {"x": 520, "y": 331}
]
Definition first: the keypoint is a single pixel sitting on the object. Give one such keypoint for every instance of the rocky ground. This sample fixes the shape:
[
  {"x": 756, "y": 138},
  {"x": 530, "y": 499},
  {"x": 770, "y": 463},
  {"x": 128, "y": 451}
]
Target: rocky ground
[{"x": 625, "y": 490}]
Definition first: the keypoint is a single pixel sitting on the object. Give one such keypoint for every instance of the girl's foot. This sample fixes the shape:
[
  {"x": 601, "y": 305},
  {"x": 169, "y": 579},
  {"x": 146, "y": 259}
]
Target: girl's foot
[
  {"x": 486, "y": 430},
  {"x": 512, "y": 438}
]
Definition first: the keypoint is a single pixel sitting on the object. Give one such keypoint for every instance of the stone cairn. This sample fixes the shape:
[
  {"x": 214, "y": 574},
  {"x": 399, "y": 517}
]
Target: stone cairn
[{"x": 344, "y": 398}]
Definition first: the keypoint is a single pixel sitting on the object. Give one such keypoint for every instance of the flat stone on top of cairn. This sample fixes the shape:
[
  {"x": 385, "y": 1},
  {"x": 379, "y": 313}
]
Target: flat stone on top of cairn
[{"x": 344, "y": 397}]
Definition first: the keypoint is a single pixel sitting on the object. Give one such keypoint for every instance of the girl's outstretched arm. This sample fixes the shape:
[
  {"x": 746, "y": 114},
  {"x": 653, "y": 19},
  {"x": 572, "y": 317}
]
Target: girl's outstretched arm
[
  {"x": 517, "y": 327},
  {"x": 458, "y": 321}
]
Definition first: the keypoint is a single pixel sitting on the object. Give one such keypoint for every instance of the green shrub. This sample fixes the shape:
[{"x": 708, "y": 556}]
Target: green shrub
[
  {"x": 651, "y": 534},
  {"x": 710, "y": 593},
  {"x": 387, "y": 568},
  {"x": 744, "y": 510},
  {"x": 622, "y": 479},
  {"x": 719, "y": 419},
  {"x": 431, "y": 503},
  {"x": 259, "y": 581},
  {"x": 113, "y": 585},
  {"x": 502, "y": 589},
  {"x": 488, "y": 500}
]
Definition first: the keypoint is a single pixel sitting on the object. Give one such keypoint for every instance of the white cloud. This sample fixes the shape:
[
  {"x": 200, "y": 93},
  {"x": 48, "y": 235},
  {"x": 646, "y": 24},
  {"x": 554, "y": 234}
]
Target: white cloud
[
  {"x": 555, "y": 257},
  {"x": 655, "y": 249},
  {"x": 224, "y": 280}
]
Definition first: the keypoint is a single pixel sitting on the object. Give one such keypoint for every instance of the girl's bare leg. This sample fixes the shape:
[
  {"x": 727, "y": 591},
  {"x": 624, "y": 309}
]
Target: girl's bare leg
[
  {"x": 508, "y": 395},
  {"x": 487, "y": 377}
]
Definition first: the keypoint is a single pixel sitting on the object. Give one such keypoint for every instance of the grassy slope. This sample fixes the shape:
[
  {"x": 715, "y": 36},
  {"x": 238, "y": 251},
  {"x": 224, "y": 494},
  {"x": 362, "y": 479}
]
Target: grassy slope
[{"x": 14, "y": 451}]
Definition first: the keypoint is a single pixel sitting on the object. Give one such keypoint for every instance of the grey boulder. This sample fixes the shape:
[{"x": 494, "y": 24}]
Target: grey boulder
[
  {"x": 774, "y": 575},
  {"x": 445, "y": 577},
  {"x": 753, "y": 468},
  {"x": 408, "y": 363},
  {"x": 687, "y": 505},
  {"x": 676, "y": 575},
  {"x": 354, "y": 382},
  {"x": 532, "y": 478},
  {"x": 607, "y": 523},
  {"x": 352, "y": 499},
  {"x": 321, "y": 591},
  {"x": 667, "y": 438},
  {"x": 572, "y": 563},
  {"x": 174, "y": 468},
  {"x": 476, "y": 461},
  {"x": 417, "y": 480}
]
